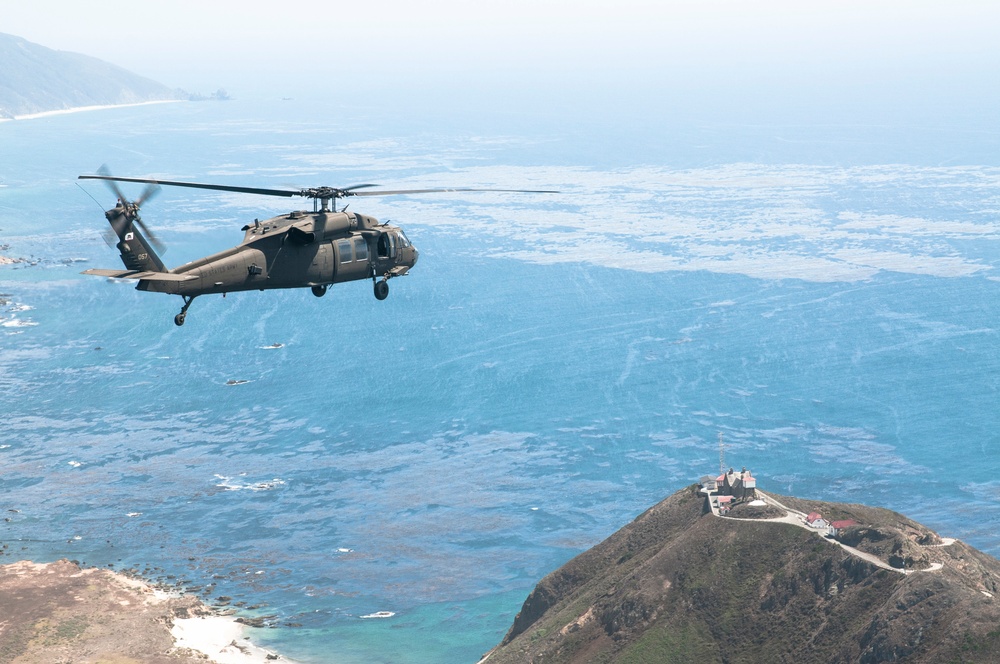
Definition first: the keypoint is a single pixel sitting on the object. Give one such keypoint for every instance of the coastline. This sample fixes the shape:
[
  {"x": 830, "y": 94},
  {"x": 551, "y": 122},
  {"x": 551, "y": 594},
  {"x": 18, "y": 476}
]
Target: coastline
[
  {"x": 81, "y": 109},
  {"x": 50, "y": 611},
  {"x": 221, "y": 639}
]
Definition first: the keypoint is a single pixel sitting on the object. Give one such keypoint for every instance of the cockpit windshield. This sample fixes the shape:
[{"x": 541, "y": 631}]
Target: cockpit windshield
[{"x": 403, "y": 239}]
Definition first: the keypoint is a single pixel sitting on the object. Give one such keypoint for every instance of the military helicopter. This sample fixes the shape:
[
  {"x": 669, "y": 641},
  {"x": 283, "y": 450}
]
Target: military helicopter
[{"x": 296, "y": 250}]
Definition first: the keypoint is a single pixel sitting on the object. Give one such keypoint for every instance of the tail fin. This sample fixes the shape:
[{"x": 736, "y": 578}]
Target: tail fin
[{"x": 136, "y": 251}]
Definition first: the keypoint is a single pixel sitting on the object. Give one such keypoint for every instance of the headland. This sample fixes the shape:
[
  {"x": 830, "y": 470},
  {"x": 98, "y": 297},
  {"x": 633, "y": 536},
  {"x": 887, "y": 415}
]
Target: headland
[
  {"x": 722, "y": 572},
  {"x": 58, "y": 612}
]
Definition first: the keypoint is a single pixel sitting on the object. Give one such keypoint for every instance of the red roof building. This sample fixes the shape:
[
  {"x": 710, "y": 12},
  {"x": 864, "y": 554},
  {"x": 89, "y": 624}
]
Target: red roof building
[
  {"x": 844, "y": 523},
  {"x": 816, "y": 520}
]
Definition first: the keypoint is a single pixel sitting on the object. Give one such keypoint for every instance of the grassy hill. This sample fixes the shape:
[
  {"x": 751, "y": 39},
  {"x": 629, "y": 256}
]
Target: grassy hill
[
  {"x": 34, "y": 79},
  {"x": 679, "y": 584}
]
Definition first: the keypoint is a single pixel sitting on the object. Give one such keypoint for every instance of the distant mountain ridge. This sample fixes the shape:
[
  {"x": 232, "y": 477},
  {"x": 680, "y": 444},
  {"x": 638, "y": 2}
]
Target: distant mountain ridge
[
  {"x": 683, "y": 584},
  {"x": 36, "y": 79}
]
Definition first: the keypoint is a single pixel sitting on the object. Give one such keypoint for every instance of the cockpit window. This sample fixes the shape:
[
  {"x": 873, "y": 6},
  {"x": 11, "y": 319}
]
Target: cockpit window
[
  {"x": 387, "y": 245},
  {"x": 403, "y": 239}
]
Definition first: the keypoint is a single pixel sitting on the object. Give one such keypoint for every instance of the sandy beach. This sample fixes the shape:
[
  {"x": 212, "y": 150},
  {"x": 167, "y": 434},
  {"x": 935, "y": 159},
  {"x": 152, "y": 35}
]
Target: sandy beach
[
  {"x": 81, "y": 109},
  {"x": 221, "y": 638},
  {"x": 60, "y": 612}
]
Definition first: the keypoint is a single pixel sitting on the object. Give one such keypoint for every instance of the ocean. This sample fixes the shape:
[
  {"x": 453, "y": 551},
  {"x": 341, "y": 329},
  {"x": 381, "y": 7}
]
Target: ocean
[{"x": 386, "y": 481}]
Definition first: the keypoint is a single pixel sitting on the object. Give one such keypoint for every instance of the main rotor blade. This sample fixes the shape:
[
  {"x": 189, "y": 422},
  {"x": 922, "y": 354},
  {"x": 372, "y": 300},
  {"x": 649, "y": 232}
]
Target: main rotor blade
[
  {"x": 316, "y": 192},
  {"x": 197, "y": 185},
  {"x": 400, "y": 192}
]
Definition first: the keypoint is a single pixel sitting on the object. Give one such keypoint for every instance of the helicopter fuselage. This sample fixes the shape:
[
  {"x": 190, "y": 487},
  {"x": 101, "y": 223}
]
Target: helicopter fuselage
[{"x": 294, "y": 250}]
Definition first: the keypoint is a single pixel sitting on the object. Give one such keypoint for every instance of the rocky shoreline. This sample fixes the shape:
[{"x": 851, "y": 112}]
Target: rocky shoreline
[{"x": 59, "y": 611}]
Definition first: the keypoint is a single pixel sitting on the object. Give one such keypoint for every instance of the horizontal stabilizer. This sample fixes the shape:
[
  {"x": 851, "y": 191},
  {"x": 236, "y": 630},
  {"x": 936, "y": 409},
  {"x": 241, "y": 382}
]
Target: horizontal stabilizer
[
  {"x": 146, "y": 276},
  {"x": 116, "y": 274},
  {"x": 163, "y": 276}
]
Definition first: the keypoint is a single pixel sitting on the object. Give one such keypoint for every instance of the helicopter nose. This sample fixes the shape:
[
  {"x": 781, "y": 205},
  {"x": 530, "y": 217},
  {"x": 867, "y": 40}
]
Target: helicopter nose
[{"x": 416, "y": 255}]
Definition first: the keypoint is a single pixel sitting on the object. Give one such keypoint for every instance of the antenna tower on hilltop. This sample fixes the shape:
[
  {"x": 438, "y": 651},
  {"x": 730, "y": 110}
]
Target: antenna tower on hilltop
[{"x": 722, "y": 456}]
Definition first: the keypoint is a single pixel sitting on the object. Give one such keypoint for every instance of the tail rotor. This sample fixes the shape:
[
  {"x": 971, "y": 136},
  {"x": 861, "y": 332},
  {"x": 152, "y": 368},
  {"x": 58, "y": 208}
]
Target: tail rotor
[
  {"x": 128, "y": 212},
  {"x": 138, "y": 245}
]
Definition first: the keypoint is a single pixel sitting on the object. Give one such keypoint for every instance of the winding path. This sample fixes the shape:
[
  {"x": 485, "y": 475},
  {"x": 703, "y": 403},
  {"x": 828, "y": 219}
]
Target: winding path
[{"x": 797, "y": 518}]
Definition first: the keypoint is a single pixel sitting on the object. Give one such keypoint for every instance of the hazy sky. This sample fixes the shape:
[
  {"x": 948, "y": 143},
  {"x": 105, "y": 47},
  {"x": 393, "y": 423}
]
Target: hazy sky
[
  {"x": 603, "y": 47},
  {"x": 168, "y": 39}
]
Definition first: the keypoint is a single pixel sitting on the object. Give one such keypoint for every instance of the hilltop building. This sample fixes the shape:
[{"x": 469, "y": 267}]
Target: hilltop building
[
  {"x": 816, "y": 520},
  {"x": 741, "y": 486},
  {"x": 729, "y": 488},
  {"x": 837, "y": 526}
]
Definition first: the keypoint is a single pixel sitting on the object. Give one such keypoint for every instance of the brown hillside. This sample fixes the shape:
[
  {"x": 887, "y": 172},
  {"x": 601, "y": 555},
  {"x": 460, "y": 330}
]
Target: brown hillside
[{"x": 679, "y": 584}]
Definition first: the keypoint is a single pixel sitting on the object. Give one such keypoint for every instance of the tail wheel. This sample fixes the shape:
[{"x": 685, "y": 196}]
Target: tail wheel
[
  {"x": 381, "y": 289},
  {"x": 319, "y": 291},
  {"x": 179, "y": 319}
]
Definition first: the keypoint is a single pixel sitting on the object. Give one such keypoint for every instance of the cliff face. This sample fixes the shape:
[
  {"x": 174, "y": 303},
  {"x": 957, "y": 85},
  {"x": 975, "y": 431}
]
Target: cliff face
[
  {"x": 679, "y": 584},
  {"x": 34, "y": 79}
]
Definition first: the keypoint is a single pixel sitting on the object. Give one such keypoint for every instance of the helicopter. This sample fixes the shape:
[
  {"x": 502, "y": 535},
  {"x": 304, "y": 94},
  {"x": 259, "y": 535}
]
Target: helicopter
[{"x": 299, "y": 249}]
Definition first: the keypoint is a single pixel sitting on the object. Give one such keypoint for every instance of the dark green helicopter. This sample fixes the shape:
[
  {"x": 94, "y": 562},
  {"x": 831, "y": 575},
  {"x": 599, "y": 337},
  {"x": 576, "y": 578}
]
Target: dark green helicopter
[{"x": 295, "y": 250}]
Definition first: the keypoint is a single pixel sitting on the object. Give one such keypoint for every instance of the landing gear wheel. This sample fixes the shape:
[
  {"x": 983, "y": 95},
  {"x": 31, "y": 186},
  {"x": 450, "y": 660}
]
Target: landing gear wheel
[
  {"x": 319, "y": 291},
  {"x": 179, "y": 318},
  {"x": 381, "y": 289}
]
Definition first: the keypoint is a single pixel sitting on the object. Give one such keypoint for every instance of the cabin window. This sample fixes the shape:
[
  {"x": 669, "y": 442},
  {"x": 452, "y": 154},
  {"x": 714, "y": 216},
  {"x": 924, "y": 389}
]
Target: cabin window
[
  {"x": 360, "y": 249},
  {"x": 344, "y": 247}
]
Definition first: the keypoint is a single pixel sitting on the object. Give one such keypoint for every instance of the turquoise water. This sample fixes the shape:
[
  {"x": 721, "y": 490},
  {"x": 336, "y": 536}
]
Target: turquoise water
[{"x": 552, "y": 367}]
